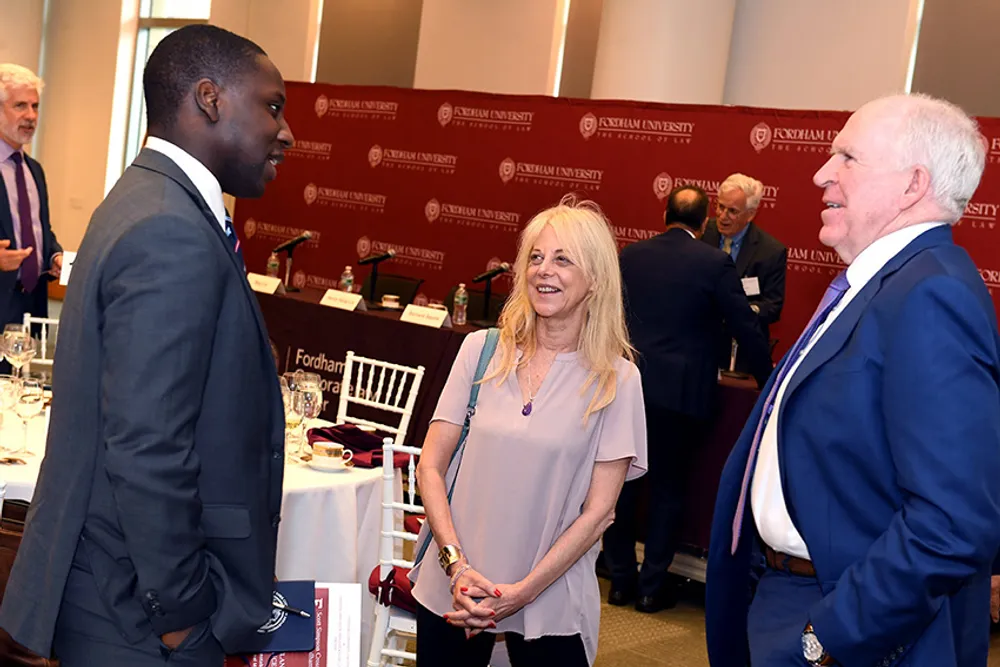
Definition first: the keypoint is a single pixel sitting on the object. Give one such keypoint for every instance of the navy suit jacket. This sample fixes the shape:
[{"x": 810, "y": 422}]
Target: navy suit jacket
[
  {"x": 165, "y": 453},
  {"x": 889, "y": 447},
  {"x": 13, "y": 309}
]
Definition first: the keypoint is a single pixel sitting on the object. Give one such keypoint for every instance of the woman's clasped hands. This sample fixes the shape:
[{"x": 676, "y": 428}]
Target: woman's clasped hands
[{"x": 480, "y": 604}]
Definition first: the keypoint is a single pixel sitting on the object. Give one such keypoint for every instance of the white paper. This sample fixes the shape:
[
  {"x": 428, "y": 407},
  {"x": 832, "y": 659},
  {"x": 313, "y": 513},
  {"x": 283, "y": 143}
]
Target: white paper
[
  {"x": 264, "y": 284},
  {"x": 335, "y": 298},
  {"x": 751, "y": 286},
  {"x": 428, "y": 317},
  {"x": 343, "y": 638},
  {"x": 69, "y": 256}
]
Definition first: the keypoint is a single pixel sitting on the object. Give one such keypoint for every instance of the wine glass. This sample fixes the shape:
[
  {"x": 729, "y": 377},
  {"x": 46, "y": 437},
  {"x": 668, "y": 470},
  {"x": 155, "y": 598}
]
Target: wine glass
[
  {"x": 29, "y": 404},
  {"x": 18, "y": 348},
  {"x": 293, "y": 419},
  {"x": 10, "y": 391},
  {"x": 311, "y": 385}
]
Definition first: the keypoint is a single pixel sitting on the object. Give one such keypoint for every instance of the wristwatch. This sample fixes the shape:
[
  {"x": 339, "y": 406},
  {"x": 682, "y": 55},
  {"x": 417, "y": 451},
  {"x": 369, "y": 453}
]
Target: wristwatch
[
  {"x": 812, "y": 650},
  {"x": 448, "y": 556}
]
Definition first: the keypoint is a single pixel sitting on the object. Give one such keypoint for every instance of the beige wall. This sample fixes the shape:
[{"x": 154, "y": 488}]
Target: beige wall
[
  {"x": 497, "y": 47},
  {"x": 816, "y": 54},
  {"x": 582, "y": 32},
  {"x": 369, "y": 42},
  {"x": 287, "y": 29},
  {"x": 955, "y": 57},
  {"x": 21, "y": 32}
]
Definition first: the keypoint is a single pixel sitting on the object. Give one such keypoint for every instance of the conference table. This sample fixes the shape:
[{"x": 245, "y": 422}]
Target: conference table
[
  {"x": 330, "y": 521},
  {"x": 307, "y": 335}
]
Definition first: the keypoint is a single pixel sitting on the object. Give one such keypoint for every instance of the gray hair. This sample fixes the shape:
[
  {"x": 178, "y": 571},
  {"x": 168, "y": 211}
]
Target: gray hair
[
  {"x": 751, "y": 187},
  {"x": 15, "y": 76},
  {"x": 943, "y": 138}
]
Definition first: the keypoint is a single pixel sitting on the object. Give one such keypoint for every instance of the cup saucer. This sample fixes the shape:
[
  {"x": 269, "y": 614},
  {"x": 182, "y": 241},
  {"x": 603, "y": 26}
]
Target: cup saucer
[{"x": 321, "y": 467}]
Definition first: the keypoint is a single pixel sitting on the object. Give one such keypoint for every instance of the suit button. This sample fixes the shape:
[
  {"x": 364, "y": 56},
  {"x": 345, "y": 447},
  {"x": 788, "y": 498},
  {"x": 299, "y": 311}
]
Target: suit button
[
  {"x": 276, "y": 455},
  {"x": 275, "y": 520}
]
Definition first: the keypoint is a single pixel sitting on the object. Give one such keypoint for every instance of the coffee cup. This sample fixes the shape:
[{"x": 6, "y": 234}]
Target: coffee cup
[
  {"x": 390, "y": 301},
  {"x": 331, "y": 455}
]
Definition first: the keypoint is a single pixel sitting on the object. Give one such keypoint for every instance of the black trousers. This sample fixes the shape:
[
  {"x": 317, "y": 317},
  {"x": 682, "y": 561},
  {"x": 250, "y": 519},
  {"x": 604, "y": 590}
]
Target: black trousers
[
  {"x": 441, "y": 645},
  {"x": 87, "y": 637},
  {"x": 672, "y": 439}
]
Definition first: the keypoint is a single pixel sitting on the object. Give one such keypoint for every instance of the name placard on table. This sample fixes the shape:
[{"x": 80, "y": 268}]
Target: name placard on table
[
  {"x": 428, "y": 317},
  {"x": 335, "y": 298},
  {"x": 265, "y": 284}
]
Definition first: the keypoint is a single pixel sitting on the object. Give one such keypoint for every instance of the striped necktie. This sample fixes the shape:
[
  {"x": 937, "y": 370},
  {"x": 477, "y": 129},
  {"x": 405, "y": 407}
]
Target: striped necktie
[
  {"x": 834, "y": 293},
  {"x": 727, "y": 245},
  {"x": 234, "y": 239},
  {"x": 29, "y": 266}
]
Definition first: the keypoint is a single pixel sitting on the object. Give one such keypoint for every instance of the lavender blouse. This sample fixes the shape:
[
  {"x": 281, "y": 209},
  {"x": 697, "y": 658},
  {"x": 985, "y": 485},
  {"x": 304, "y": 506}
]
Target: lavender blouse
[{"x": 523, "y": 482}]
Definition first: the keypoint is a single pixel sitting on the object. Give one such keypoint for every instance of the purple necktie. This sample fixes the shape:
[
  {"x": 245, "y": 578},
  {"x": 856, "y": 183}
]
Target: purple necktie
[
  {"x": 834, "y": 293},
  {"x": 29, "y": 267}
]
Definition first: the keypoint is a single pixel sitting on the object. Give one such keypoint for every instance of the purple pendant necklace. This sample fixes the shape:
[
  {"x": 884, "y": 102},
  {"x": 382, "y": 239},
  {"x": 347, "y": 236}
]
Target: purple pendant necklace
[{"x": 526, "y": 410}]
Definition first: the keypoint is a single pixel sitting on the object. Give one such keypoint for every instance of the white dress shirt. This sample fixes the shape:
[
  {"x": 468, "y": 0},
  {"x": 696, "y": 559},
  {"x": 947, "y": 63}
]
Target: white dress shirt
[
  {"x": 8, "y": 173},
  {"x": 767, "y": 499},
  {"x": 204, "y": 180}
]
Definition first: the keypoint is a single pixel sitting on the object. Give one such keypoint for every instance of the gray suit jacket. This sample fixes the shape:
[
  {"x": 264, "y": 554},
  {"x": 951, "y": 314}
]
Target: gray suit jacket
[{"x": 164, "y": 461}]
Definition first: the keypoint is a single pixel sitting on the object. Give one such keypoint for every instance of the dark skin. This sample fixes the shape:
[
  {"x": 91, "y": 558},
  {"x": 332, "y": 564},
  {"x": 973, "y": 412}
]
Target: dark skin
[{"x": 238, "y": 131}]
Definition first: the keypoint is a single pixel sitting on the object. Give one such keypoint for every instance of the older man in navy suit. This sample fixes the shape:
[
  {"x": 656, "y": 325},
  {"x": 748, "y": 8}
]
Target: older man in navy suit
[
  {"x": 30, "y": 255},
  {"x": 863, "y": 490}
]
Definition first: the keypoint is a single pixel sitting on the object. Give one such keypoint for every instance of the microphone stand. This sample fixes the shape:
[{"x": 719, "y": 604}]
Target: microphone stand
[
  {"x": 288, "y": 272},
  {"x": 487, "y": 293},
  {"x": 371, "y": 287}
]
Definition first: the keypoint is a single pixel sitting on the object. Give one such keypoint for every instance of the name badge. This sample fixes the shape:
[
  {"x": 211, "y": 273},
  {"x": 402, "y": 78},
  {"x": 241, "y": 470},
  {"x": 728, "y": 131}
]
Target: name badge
[
  {"x": 428, "y": 317},
  {"x": 265, "y": 284},
  {"x": 751, "y": 286},
  {"x": 335, "y": 298}
]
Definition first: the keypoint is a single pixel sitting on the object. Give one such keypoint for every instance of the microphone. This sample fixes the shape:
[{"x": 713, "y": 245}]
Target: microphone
[
  {"x": 375, "y": 259},
  {"x": 291, "y": 243},
  {"x": 492, "y": 273}
]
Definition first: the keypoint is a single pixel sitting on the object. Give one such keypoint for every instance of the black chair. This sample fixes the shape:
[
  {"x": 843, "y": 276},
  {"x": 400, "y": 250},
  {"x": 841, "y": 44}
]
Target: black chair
[
  {"x": 474, "y": 311},
  {"x": 404, "y": 287}
]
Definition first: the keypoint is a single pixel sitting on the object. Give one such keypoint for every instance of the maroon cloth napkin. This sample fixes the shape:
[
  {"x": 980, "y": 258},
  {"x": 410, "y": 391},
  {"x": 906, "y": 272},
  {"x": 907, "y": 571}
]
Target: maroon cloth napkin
[{"x": 366, "y": 446}]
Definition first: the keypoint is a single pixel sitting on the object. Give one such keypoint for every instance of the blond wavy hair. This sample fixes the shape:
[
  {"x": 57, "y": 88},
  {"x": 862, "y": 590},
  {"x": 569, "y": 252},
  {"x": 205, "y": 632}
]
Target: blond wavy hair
[{"x": 586, "y": 236}]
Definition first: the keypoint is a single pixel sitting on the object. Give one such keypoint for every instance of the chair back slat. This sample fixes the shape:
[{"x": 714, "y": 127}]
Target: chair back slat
[{"x": 395, "y": 395}]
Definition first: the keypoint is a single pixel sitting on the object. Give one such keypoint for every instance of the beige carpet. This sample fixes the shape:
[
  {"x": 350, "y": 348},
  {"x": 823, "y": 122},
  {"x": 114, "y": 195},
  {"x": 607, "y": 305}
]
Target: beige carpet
[{"x": 674, "y": 638}]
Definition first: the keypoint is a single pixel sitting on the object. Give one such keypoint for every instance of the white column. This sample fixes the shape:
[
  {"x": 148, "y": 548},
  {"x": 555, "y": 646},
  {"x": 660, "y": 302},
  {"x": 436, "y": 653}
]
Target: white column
[
  {"x": 287, "y": 30},
  {"x": 506, "y": 46},
  {"x": 21, "y": 32},
  {"x": 814, "y": 54},
  {"x": 663, "y": 50}
]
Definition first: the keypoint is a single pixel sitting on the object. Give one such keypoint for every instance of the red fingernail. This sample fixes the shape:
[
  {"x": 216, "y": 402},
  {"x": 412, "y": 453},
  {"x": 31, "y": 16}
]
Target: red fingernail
[
  {"x": 492, "y": 613},
  {"x": 492, "y": 624},
  {"x": 497, "y": 592},
  {"x": 464, "y": 589},
  {"x": 445, "y": 617}
]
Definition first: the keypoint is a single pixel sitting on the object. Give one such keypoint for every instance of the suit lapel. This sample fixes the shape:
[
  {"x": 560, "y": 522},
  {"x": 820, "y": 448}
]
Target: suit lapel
[
  {"x": 833, "y": 339},
  {"x": 43, "y": 205},
  {"x": 747, "y": 250},
  {"x": 711, "y": 235},
  {"x": 161, "y": 164},
  {"x": 6, "y": 219}
]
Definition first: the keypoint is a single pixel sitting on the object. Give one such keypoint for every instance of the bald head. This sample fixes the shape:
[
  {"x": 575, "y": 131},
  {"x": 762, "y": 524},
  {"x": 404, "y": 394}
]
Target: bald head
[{"x": 687, "y": 205}]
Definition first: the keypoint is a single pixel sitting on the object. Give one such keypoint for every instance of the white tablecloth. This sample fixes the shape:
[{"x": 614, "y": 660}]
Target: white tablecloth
[{"x": 329, "y": 526}]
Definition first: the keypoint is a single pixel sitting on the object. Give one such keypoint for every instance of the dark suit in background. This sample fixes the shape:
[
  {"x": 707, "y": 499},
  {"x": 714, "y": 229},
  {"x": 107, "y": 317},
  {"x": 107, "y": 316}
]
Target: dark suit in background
[
  {"x": 677, "y": 294},
  {"x": 14, "y": 301},
  {"x": 763, "y": 257}
]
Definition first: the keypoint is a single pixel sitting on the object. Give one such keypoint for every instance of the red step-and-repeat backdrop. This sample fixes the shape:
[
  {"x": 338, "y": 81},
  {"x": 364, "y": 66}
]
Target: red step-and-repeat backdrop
[{"x": 449, "y": 178}]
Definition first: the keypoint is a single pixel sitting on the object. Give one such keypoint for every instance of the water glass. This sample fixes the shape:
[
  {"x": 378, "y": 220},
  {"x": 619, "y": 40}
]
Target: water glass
[
  {"x": 29, "y": 405},
  {"x": 18, "y": 348},
  {"x": 10, "y": 392}
]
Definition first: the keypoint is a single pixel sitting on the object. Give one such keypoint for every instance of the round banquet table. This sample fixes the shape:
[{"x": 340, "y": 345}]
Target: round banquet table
[{"x": 329, "y": 528}]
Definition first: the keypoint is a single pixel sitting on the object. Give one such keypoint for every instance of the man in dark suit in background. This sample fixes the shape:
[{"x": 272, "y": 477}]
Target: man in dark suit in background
[
  {"x": 153, "y": 528},
  {"x": 760, "y": 258},
  {"x": 30, "y": 255},
  {"x": 677, "y": 294}
]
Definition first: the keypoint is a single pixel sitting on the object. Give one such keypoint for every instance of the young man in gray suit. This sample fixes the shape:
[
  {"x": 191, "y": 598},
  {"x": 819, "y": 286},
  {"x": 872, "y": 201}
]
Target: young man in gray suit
[{"x": 152, "y": 531}]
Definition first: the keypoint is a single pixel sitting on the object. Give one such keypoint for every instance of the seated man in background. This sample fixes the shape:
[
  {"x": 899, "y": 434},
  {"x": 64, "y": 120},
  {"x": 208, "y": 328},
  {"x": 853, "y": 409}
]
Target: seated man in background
[
  {"x": 678, "y": 293},
  {"x": 760, "y": 258}
]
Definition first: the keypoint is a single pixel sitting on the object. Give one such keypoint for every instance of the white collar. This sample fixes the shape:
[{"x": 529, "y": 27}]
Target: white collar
[
  {"x": 204, "y": 180},
  {"x": 875, "y": 256}
]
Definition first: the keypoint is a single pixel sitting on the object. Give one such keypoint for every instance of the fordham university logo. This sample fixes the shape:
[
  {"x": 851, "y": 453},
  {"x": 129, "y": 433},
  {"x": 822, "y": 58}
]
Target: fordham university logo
[
  {"x": 364, "y": 246},
  {"x": 299, "y": 279},
  {"x": 278, "y": 614},
  {"x": 507, "y": 169},
  {"x": 662, "y": 185},
  {"x": 493, "y": 263},
  {"x": 445, "y": 112},
  {"x": 249, "y": 228},
  {"x": 588, "y": 125},
  {"x": 432, "y": 210},
  {"x": 760, "y": 136},
  {"x": 375, "y": 155},
  {"x": 321, "y": 106},
  {"x": 309, "y": 194}
]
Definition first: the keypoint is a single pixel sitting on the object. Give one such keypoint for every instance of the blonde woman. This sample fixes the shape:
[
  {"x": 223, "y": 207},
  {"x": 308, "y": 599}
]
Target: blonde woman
[{"x": 557, "y": 430}]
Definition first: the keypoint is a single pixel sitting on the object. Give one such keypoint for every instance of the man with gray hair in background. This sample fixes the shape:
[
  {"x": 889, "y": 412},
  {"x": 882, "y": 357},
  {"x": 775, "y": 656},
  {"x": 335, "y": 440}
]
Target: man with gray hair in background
[
  {"x": 863, "y": 490},
  {"x": 759, "y": 257},
  {"x": 30, "y": 255}
]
